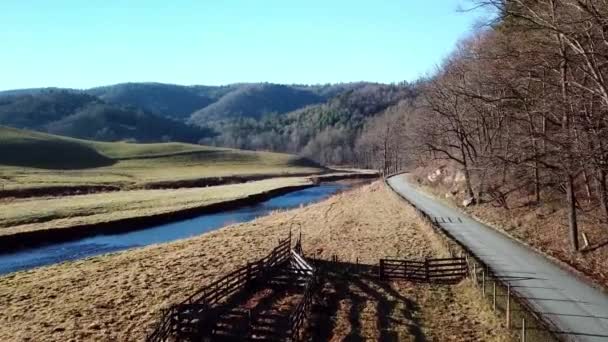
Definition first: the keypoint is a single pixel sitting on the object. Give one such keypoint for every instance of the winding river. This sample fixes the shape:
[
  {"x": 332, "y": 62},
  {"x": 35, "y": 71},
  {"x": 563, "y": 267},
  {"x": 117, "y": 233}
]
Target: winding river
[{"x": 100, "y": 244}]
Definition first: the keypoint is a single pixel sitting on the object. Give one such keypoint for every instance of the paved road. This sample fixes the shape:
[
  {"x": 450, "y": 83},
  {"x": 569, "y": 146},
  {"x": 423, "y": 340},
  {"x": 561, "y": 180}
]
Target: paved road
[{"x": 579, "y": 310}]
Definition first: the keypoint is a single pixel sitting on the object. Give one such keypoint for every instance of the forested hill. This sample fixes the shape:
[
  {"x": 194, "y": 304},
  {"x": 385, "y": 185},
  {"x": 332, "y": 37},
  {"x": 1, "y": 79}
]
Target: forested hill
[
  {"x": 254, "y": 101},
  {"x": 80, "y": 115},
  {"x": 326, "y": 132},
  {"x": 166, "y": 99},
  {"x": 322, "y": 122}
]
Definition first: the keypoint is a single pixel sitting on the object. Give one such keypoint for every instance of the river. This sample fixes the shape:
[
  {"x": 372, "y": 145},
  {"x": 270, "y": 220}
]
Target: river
[{"x": 100, "y": 244}]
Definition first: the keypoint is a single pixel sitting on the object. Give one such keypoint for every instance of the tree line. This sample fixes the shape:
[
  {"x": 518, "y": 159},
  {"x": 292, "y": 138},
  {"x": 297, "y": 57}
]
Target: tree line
[
  {"x": 325, "y": 132},
  {"x": 521, "y": 105}
]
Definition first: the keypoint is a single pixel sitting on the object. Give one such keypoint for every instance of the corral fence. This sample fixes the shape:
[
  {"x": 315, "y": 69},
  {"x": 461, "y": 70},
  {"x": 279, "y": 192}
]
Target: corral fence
[
  {"x": 302, "y": 310},
  {"x": 444, "y": 270},
  {"x": 193, "y": 318}
]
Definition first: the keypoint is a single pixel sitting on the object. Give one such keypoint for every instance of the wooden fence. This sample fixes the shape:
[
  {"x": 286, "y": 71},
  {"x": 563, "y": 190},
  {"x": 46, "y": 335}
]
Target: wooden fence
[
  {"x": 297, "y": 317},
  {"x": 186, "y": 320},
  {"x": 187, "y": 317},
  {"x": 445, "y": 270}
]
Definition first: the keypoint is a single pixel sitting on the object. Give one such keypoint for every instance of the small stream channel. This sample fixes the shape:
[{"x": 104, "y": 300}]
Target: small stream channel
[{"x": 100, "y": 244}]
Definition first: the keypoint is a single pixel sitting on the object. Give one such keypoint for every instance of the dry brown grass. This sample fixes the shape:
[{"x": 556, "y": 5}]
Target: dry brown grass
[
  {"x": 118, "y": 296},
  {"x": 39, "y": 213},
  {"x": 25, "y": 162},
  {"x": 366, "y": 309}
]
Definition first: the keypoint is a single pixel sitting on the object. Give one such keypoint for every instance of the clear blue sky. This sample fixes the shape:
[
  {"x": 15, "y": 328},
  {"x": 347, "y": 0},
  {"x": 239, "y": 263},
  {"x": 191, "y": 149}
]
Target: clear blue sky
[{"x": 86, "y": 43}]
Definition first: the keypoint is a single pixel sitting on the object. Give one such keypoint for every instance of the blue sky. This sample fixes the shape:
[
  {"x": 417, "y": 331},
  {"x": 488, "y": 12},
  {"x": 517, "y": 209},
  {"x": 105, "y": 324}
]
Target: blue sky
[{"x": 86, "y": 43}]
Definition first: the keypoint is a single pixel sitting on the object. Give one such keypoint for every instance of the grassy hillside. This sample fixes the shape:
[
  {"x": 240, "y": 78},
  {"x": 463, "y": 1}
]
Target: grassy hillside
[
  {"x": 38, "y": 150},
  {"x": 34, "y": 160}
]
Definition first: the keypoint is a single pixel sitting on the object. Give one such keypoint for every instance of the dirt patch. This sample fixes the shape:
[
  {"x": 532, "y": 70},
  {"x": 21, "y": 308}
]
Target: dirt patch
[{"x": 119, "y": 296}]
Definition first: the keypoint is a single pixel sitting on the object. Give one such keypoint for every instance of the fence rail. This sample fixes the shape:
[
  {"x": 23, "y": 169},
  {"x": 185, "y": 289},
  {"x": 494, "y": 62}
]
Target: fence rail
[
  {"x": 204, "y": 303},
  {"x": 432, "y": 270},
  {"x": 303, "y": 308}
]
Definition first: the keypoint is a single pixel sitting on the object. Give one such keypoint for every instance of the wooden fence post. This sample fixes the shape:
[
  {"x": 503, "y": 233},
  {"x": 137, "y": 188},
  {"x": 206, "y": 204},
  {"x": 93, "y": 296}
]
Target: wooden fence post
[
  {"x": 508, "y": 306},
  {"x": 250, "y": 321},
  {"x": 523, "y": 330}
]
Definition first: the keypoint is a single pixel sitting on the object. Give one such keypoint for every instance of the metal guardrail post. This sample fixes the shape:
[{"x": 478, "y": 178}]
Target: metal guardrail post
[
  {"x": 475, "y": 272},
  {"x": 483, "y": 283},
  {"x": 494, "y": 295},
  {"x": 508, "y": 306}
]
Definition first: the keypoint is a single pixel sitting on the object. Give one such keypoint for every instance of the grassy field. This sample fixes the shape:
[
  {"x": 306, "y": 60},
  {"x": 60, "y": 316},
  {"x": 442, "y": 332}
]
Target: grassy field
[
  {"x": 118, "y": 296},
  {"x": 40, "y": 213},
  {"x": 37, "y": 160}
]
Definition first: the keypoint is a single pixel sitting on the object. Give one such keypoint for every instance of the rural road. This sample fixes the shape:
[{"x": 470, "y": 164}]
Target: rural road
[{"x": 577, "y": 309}]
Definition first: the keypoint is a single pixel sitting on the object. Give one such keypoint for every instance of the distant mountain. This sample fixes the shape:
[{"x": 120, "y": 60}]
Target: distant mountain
[
  {"x": 81, "y": 115},
  {"x": 329, "y": 90},
  {"x": 200, "y": 104},
  {"x": 325, "y": 132},
  {"x": 254, "y": 101},
  {"x": 319, "y": 121},
  {"x": 166, "y": 99},
  {"x": 34, "y": 91}
]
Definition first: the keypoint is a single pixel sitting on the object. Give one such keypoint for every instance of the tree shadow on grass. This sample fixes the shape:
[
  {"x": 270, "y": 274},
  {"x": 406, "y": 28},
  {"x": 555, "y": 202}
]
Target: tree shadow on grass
[
  {"x": 386, "y": 302},
  {"x": 334, "y": 290},
  {"x": 359, "y": 291}
]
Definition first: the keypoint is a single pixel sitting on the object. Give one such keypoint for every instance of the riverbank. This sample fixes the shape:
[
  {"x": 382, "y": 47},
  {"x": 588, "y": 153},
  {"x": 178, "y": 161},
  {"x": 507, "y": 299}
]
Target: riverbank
[
  {"x": 52, "y": 190},
  {"x": 118, "y": 296},
  {"x": 39, "y": 164},
  {"x": 30, "y": 222},
  {"x": 34, "y": 221}
]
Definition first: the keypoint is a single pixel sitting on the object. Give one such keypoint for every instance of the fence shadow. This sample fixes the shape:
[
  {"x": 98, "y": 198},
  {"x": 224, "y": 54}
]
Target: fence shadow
[{"x": 342, "y": 309}]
